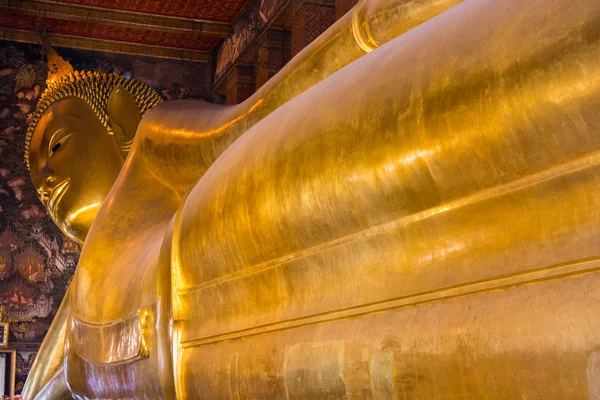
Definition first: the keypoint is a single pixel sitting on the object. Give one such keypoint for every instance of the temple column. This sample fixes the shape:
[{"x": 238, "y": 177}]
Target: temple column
[
  {"x": 309, "y": 20},
  {"x": 274, "y": 52},
  {"x": 240, "y": 84}
]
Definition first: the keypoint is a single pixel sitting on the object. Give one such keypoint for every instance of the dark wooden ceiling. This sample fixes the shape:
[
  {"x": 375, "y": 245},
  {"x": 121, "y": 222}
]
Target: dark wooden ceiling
[{"x": 176, "y": 29}]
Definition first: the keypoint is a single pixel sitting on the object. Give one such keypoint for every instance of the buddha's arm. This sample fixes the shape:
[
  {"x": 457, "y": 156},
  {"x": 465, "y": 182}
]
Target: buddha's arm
[
  {"x": 389, "y": 222},
  {"x": 196, "y": 135},
  {"x": 50, "y": 355},
  {"x": 176, "y": 142}
]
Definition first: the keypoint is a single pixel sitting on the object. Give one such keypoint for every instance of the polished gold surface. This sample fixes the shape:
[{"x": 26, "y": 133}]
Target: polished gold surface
[{"x": 418, "y": 222}]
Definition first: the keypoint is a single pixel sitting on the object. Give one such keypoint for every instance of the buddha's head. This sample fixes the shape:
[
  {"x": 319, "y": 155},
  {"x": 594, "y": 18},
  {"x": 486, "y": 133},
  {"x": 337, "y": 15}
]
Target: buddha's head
[{"x": 77, "y": 142}]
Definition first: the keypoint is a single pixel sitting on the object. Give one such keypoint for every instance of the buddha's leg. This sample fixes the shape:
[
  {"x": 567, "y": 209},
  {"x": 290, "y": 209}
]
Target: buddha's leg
[{"x": 51, "y": 354}]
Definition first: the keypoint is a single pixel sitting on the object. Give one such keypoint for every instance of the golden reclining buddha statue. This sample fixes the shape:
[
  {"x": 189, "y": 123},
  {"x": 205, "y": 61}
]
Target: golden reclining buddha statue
[{"x": 410, "y": 209}]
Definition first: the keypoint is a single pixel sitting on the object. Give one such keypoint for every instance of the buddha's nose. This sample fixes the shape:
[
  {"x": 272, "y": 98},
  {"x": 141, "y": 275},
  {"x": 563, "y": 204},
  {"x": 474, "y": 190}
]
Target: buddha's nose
[{"x": 44, "y": 182}]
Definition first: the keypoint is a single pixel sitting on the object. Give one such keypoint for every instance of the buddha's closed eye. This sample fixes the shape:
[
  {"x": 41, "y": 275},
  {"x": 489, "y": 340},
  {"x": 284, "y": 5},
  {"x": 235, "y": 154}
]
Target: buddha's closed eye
[{"x": 59, "y": 145}]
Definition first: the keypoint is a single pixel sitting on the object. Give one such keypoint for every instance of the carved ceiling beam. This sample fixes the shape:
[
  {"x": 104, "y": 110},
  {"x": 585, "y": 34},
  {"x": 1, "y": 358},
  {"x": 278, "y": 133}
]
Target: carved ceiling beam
[
  {"x": 112, "y": 46},
  {"x": 75, "y": 12}
]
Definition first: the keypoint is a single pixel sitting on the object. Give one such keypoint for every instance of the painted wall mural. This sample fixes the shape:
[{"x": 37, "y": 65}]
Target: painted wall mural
[{"x": 37, "y": 261}]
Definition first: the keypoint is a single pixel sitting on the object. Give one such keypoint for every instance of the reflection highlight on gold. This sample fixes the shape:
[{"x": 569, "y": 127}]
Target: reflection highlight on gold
[
  {"x": 82, "y": 210},
  {"x": 361, "y": 29}
]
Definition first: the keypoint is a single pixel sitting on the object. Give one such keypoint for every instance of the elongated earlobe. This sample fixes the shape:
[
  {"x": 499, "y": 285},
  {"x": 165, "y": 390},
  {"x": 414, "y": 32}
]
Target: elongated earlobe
[{"x": 124, "y": 116}]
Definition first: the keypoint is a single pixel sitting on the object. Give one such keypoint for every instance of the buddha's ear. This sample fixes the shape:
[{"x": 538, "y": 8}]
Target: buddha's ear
[{"x": 124, "y": 116}]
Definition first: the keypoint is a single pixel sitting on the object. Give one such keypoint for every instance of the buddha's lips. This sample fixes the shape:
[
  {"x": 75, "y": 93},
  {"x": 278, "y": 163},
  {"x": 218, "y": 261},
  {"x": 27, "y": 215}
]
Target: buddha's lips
[{"x": 56, "y": 195}]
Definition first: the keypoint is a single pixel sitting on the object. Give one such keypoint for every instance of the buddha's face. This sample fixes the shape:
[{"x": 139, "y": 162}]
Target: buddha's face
[{"x": 74, "y": 163}]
